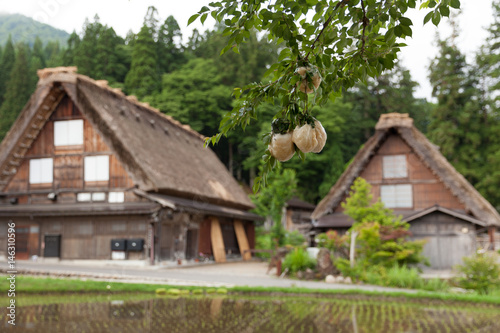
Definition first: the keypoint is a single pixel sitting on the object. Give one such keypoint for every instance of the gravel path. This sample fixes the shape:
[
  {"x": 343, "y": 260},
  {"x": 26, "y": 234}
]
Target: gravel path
[{"x": 227, "y": 274}]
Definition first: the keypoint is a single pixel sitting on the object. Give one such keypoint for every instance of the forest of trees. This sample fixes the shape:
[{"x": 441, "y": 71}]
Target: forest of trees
[{"x": 192, "y": 83}]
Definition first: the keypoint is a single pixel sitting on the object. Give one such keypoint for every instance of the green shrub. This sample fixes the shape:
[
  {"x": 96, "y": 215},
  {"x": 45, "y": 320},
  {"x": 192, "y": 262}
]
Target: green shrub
[
  {"x": 294, "y": 238},
  {"x": 298, "y": 260},
  {"x": 404, "y": 277},
  {"x": 480, "y": 272},
  {"x": 436, "y": 284},
  {"x": 263, "y": 242}
]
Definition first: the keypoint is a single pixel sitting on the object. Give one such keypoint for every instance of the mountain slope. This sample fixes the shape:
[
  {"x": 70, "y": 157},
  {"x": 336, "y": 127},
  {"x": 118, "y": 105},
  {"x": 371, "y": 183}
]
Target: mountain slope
[{"x": 25, "y": 29}]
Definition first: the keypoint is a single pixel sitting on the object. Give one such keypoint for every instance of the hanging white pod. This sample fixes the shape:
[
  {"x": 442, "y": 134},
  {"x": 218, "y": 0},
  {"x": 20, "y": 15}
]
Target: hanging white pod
[{"x": 281, "y": 146}]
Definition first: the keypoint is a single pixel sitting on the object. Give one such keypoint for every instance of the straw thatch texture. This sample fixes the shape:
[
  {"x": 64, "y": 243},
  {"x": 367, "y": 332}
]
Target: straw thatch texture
[{"x": 158, "y": 152}]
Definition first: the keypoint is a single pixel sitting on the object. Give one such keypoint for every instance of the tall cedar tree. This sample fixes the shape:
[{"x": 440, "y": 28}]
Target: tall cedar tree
[
  {"x": 460, "y": 122},
  {"x": 488, "y": 68},
  {"x": 6, "y": 65},
  {"x": 38, "y": 52},
  {"x": 69, "y": 54},
  {"x": 19, "y": 88},
  {"x": 85, "y": 57},
  {"x": 143, "y": 79},
  {"x": 170, "y": 54},
  {"x": 111, "y": 57}
]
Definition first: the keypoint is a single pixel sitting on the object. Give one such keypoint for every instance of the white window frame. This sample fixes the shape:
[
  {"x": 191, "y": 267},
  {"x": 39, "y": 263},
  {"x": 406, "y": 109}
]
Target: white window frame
[
  {"x": 83, "y": 197},
  {"x": 96, "y": 168},
  {"x": 397, "y": 196},
  {"x": 68, "y": 132},
  {"x": 98, "y": 196},
  {"x": 394, "y": 166},
  {"x": 116, "y": 197},
  {"x": 41, "y": 171}
]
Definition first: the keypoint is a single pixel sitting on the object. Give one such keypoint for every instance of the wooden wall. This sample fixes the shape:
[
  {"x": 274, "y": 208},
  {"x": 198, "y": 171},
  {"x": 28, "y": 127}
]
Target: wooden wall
[
  {"x": 428, "y": 190},
  {"x": 90, "y": 237},
  {"x": 68, "y": 162},
  {"x": 447, "y": 241}
]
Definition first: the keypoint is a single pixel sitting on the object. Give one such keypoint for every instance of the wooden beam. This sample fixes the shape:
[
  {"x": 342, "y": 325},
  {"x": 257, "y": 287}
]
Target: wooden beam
[
  {"x": 218, "y": 247},
  {"x": 242, "y": 240}
]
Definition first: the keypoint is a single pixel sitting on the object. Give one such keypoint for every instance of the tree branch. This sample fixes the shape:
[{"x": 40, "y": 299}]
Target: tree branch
[{"x": 325, "y": 25}]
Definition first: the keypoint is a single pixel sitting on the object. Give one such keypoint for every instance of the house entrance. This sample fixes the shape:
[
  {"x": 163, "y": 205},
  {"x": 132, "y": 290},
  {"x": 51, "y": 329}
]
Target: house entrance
[{"x": 27, "y": 241}]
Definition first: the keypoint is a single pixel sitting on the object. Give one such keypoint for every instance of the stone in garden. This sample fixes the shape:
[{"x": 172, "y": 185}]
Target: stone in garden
[
  {"x": 348, "y": 280},
  {"x": 325, "y": 265},
  {"x": 339, "y": 279},
  {"x": 330, "y": 279},
  {"x": 309, "y": 274},
  {"x": 300, "y": 275}
]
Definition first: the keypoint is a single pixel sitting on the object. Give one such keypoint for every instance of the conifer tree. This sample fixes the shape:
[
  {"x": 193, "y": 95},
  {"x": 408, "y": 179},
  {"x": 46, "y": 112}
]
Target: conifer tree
[
  {"x": 52, "y": 52},
  {"x": 69, "y": 54},
  {"x": 110, "y": 57},
  {"x": 6, "y": 65},
  {"x": 38, "y": 52},
  {"x": 143, "y": 79},
  {"x": 170, "y": 54},
  {"x": 18, "y": 90},
  {"x": 85, "y": 56}
]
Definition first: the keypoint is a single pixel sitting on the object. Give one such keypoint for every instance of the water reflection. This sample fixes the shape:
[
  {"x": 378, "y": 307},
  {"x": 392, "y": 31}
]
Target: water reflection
[{"x": 247, "y": 315}]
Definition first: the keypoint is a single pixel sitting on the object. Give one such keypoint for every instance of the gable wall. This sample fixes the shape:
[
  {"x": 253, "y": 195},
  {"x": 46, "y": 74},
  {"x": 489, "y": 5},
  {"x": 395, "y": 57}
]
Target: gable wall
[
  {"x": 428, "y": 190},
  {"x": 68, "y": 163}
]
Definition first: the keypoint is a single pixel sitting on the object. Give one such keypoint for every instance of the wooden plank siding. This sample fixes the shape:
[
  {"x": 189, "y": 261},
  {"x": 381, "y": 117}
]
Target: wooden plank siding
[
  {"x": 428, "y": 189},
  {"x": 217, "y": 240},
  {"x": 242, "y": 240},
  {"x": 68, "y": 163},
  {"x": 448, "y": 239}
]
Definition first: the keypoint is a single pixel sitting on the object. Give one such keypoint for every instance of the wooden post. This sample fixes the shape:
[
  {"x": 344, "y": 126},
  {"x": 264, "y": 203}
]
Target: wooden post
[
  {"x": 218, "y": 247},
  {"x": 491, "y": 233},
  {"x": 352, "y": 251},
  {"x": 242, "y": 240}
]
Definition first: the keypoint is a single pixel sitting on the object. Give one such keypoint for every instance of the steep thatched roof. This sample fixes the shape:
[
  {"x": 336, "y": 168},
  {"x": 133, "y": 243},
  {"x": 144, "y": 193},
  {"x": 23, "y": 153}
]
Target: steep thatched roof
[
  {"x": 159, "y": 153},
  {"x": 430, "y": 155}
]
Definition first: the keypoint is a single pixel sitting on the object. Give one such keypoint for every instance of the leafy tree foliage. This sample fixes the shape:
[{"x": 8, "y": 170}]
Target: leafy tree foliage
[
  {"x": 170, "y": 53},
  {"x": 6, "y": 65},
  {"x": 465, "y": 122},
  {"x": 18, "y": 90},
  {"x": 271, "y": 200},
  {"x": 382, "y": 237},
  {"x": 143, "y": 78},
  {"x": 344, "y": 42}
]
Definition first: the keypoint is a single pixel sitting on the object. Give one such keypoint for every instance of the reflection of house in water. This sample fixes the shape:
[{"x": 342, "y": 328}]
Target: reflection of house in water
[
  {"x": 297, "y": 216},
  {"x": 409, "y": 174},
  {"x": 85, "y": 168}
]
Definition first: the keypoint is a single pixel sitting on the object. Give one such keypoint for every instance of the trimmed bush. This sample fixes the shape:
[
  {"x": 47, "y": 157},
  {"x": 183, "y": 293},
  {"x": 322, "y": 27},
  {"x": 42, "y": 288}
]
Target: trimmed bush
[
  {"x": 480, "y": 273},
  {"x": 298, "y": 260}
]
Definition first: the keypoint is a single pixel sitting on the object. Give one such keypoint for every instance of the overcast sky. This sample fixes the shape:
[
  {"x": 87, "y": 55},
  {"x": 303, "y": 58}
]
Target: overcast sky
[{"x": 125, "y": 15}]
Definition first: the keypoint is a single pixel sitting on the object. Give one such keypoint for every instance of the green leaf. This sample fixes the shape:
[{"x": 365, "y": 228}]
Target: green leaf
[
  {"x": 405, "y": 21},
  {"x": 444, "y": 10},
  {"x": 203, "y": 18},
  {"x": 193, "y": 18},
  {"x": 455, "y": 4},
  {"x": 436, "y": 18},
  {"x": 428, "y": 17}
]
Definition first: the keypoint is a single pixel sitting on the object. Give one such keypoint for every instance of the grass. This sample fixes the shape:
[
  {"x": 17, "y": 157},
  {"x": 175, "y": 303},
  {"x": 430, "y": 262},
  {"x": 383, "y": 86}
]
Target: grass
[{"x": 40, "y": 285}]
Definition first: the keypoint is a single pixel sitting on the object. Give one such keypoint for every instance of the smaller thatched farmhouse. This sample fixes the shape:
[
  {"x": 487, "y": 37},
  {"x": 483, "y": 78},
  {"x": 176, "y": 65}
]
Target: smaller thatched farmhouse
[
  {"x": 89, "y": 173},
  {"x": 409, "y": 174}
]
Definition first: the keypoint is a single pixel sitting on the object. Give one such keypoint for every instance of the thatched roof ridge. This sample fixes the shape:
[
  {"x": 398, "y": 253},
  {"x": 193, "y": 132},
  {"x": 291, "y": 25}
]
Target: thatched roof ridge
[
  {"x": 430, "y": 155},
  {"x": 158, "y": 152}
]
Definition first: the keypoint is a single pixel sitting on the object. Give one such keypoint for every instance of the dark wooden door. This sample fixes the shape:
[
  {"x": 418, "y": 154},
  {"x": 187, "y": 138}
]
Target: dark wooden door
[{"x": 52, "y": 246}]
